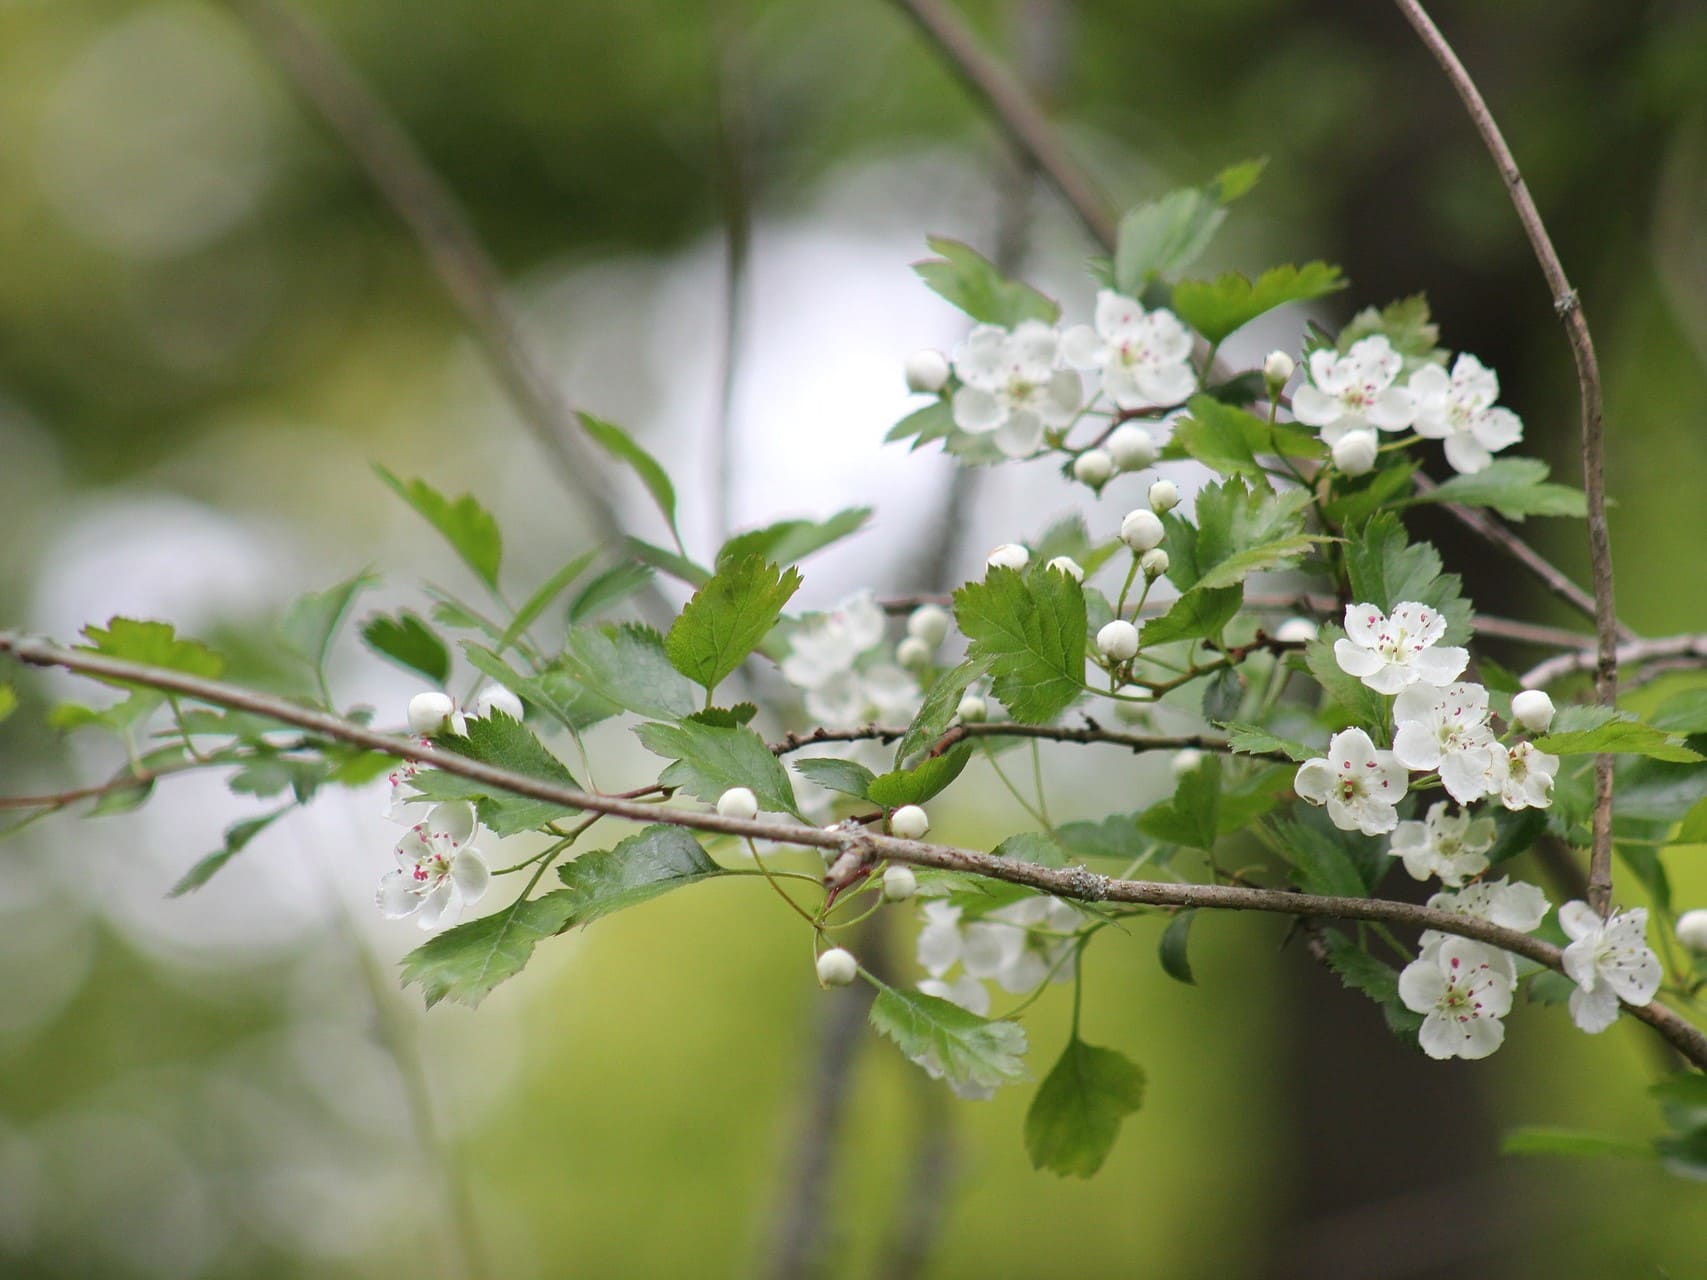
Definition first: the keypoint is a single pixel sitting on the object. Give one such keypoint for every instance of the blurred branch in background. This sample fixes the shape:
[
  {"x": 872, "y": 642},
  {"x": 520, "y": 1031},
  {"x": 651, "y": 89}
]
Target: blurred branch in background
[{"x": 733, "y": 148}]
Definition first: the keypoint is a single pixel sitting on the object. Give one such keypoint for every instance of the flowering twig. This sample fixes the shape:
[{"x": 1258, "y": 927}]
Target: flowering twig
[
  {"x": 1636, "y": 652},
  {"x": 1569, "y": 309},
  {"x": 1091, "y": 733},
  {"x": 853, "y": 846}
]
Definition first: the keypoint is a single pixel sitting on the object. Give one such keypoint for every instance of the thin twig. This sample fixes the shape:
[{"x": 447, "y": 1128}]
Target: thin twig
[
  {"x": 1674, "y": 651},
  {"x": 858, "y": 846},
  {"x": 1091, "y": 733},
  {"x": 1568, "y": 306}
]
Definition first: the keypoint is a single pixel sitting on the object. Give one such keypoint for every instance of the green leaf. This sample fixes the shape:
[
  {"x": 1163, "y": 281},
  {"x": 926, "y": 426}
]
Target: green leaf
[
  {"x": 466, "y": 525},
  {"x": 638, "y": 869},
  {"x": 503, "y": 743},
  {"x": 1359, "y": 970},
  {"x": 1515, "y": 487},
  {"x": 671, "y": 562},
  {"x": 1326, "y": 861},
  {"x": 8, "y": 700},
  {"x": 1031, "y": 632},
  {"x": 790, "y": 541},
  {"x": 1172, "y": 949},
  {"x": 237, "y": 836},
  {"x": 1694, "y": 827},
  {"x": 267, "y": 775},
  {"x": 1037, "y": 847},
  {"x": 1626, "y": 737},
  {"x": 1075, "y": 1117},
  {"x": 709, "y": 759},
  {"x": 1405, "y": 323},
  {"x": 1229, "y": 302},
  {"x": 499, "y": 812},
  {"x": 728, "y": 618},
  {"x": 1547, "y": 1140},
  {"x": 1169, "y": 234},
  {"x": 609, "y": 589},
  {"x": 934, "y": 422},
  {"x": 940, "y": 706},
  {"x": 971, "y": 282},
  {"x": 1239, "y": 531},
  {"x": 1192, "y": 817},
  {"x": 628, "y": 666},
  {"x": 149, "y": 643},
  {"x": 1196, "y": 615},
  {"x": 311, "y": 622},
  {"x": 846, "y": 776},
  {"x": 555, "y": 692},
  {"x": 1228, "y": 439},
  {"x": 1251, "y": 739},
  {"x": 1358, "y": 500},
  {"x": 410, "y": 643},
  {"x": 1116, "y": 836},
  {"x": 950, "y": 1043},
  {"x": 917, "y": 785},
  {"x": 621, "y": 446},
  {"x": 1387, "y": 569},
  {"x": 464, "y": 964},
  {"x": 549, "y": 590}
]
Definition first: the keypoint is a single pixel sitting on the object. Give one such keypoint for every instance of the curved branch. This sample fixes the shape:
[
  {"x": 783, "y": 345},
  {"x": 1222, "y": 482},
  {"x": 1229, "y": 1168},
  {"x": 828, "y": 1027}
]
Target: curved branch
[
  {"x": 1676, "y": 651},
  {"x": 1090, "y": 734},
  {"x": 1569, "y": 309},
  {"x": 857, "y": 849}
]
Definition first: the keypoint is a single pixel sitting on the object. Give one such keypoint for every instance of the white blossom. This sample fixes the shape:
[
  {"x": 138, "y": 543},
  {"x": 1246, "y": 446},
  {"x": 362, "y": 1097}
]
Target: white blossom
[
  {"x": 900, "y": 882},
  {"x": 927, "y": 371},
  {"x": 1464, "y": 997},
  {"x": 965, "y": 991},
  {"x": 1522, "y": 775},
  {"x": 837, "y": 968},
  {"x": 430, "y": 713},
  {"x": 1692, "y": 930},
  {"x": 1010, "y": 555},
  {"x": 1277, "y": 368},
  {"x": 1511, "y": 904},
  {"x": 929, "y": 622},
  {"x": 738, "y": 802},
  {"x": 973, "y": 709},
  {"x": 1609, "y": 960},
  {"x": 1446, "y": 729},
  {"x": 1354, "y": 453},
  {"x": 1389, "y": 653},
  {"x": 831, "y": 660},
  {"x": 1093, "y": 467},
  {"x": 1453, "y": 846},
  {"x": 1011, "y": 386},
  {"x": 1069, "y": 566},
  {"x": 1460, "y": 410},
  {"x": 1131, "y": 446},
  {"x": 913, "y": 652},
  {"x": 909, "y": 822},
  {"x": 495, "y": 697},
  {"x": 1141, "y": 530},
  {"x": 1118, "y": 640},
  {"x": 1017, "y": 946},
  {"x": 439, "y": 869},
  {"x": 1144, "y": 356},
  {"x": 1359, "y": 784},
  {"x": 1532, "y": 709},
  {"x": 1354, "y": 391}
]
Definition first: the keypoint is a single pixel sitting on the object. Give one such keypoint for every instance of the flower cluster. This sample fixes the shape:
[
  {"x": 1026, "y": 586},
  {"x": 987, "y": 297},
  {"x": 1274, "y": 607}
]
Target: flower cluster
[
  {"x": 1018, "y": 946},
  {"x": 841, "y": 664}
]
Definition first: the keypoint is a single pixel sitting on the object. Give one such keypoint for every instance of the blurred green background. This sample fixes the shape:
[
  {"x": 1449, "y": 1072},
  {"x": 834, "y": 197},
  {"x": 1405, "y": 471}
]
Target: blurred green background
[{"x": 209, "y": 326}]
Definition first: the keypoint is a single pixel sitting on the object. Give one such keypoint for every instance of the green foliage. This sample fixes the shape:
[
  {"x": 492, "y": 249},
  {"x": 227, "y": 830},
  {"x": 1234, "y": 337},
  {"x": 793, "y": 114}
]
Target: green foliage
[
  {"x": 1040, "y": 848},
  {"x": 1250, "y": 739},
  {"x": 1116, "y": 836},
  {"x": 1217, "y": 308},
  {"x": 1405, "y": 323},
  {"x": 1629, "y": 737},
  {"x": 1228, "y": 439},
  {"x": 1354, "y": 501},
  {"x": 503, "y": 743},
  {"x": 846, "y": 776},
  {"x": 556, "y": 693},
  {"x": 1239, "y": 531},
  {"x": 548, "y": 591},
  {"x": 709, "y": 759},
  {"x": 1169, "y": 234},
  {"x": 1547, "y": 1140},
  {"x": 1515, "y": 487},
  {"x": 728, "y": 618},
  {"x": 311, "y": 622},
  {"x": 464, "y": 964},
  {"x": 638, "y": 869},
  {"x": 950, "y": 1043},
  {"x": 1031, "y": 632},
  {"x": 154, "y": 644},
  {"x": 1328, "y": 861},
  {"x": 410, "y": 643},
  {"x": 673, "y": 563},
  {"x": 628, "y": 666},
  {"x": 1360, "y": 971},
  {"x": 621, "y": 446},
  {"x": 466, "y": 525},
  {"x": 608, "y": 589},
  {"x": 1075, "y": 1117},
  {"x": 919, "y": 784},
  {"x": 971, "y": 282},
  {"x": 8, "y": 701},
  {"x": 1191, "y": 817},
  {"x": 1387, "y": 569},
  {"x": 237, "y": 836},
  {"x": 941, "y": 704},
  {"x": 933, "y": 422},
  {"x": 1198, "y": 614},
  {"x": 790, "y": 541},
  {"x": 1172, "y": 949}
]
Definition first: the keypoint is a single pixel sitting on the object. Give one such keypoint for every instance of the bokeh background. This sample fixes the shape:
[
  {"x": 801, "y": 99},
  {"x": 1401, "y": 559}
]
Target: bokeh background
[{"x": 209, "y": 327}]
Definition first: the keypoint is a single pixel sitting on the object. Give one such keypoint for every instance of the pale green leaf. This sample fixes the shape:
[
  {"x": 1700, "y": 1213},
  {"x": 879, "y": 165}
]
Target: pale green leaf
[{"x": 1076, "y": 1116}]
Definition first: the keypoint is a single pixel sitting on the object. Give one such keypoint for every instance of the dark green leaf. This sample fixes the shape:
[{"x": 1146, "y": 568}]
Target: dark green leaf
[
  {"x": 410, "y": 643},
  {"x": 1239, "y": 531},
  {"x": 1229, "y": 302},
  {"x": 1075, "y": 1117},
  {"x": 1628, "y": 737},
  {"x": 710, "y": 759},
  {"x": 948, "y": 1042},
  {"x": 728, "y": 618},
  {"x": 941, "y": 704},
  {"x": 653, "y": 862},
  {"x": 1327, "y": 863},
  {"x": 1198, "y": 614},
  {"x": 628, "y": 666},
  {"x": 790, "y": 541},
  {"x": 1251, "y": 739},
  {"x": 1515, "y": 487},
  {"x": 621, "y": 446},
  {"x": 1365, "y": 707},
  {"x": 1032, "y": 635},
  {"x": 464, "y": 964},
  {"x": 499, "y": 812},
  {"x": 971, "y": 282},
  {"x": 466, "y": 525},
  {"x": 846, "y": 776},
  {"x": 1171, "y": 950},
  {"x": 917, "y": 785},
  {"x": 1387, "y": 569},
  {"x": 503, "y": 743},
  {"x": 1192, "y": 816}
]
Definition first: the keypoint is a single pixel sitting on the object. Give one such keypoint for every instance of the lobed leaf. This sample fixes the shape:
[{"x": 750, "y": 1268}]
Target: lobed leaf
[
  {"x": 728, "y": 618},
  {"x": 1229, "y": 302},
  {"x": 709, "y": 759},
  {"x": 969, "y": 1052},
  {"x": 917, "y": 785},
  {"x": 466, "y": 525},
  {"x": 1031, "y": 633},
  {"x": 410, "y": 643},
  {"x": 1076, "y": 1116},
  {"x": 973, "y": 283}
]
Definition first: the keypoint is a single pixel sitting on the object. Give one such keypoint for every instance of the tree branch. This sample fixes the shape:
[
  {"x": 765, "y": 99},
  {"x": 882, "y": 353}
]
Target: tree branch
[
  {"x": 1569, "y": 309},
  {"x": 855, "y": 846},
  {"x": 1090, "y": 734},
  {"x": 1637, "y": 653}
]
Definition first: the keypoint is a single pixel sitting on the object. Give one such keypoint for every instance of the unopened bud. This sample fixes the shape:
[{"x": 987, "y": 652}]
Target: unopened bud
[
  {"x": 929, "y": 622},
  {"x": 1532, "y": 709},
  {"x": 1093, "y": 467},
  {"x": 738, "y": 802},
  {"x": 1010, "y": 555},
  {"x": 494, "y": 697},
  {"x": 899, "y": 883},
  {"x": 1154, "y": 563},
  {"x": 428, "y": 712},
  {"x": 913, "y": 652},
  {"x": 1692, "y": 930},
  {"x": 909, "y": 822},
  {"x": 1068, "y": 566},
  {"x": 1355, "y": 452},
  {"x": 1141, "y": 530},
  {"x": 1131, "y": 447},
  {"x": 1277, "y": 368},
  {"x": 1118, "y": 640},
  {"x": 1297, "y": 631},
  {"x": 927, "y": 371},
  {"x": 973, "y": 709},
  {"x": 1164, "y": 496},
  {"x": 837, "y": 967},
  {"x": 1185, "y": 761}
]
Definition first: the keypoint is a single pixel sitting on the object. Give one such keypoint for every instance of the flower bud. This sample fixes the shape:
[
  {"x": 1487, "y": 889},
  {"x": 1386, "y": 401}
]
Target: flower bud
[
  {"x": 1297, "y": 631},
  {"x": 1093, "y": 467},
  {"x": 1131, "y": 447},
  {"x": 1141, "y": 530},
  {"x": 929, "y": 622},
  {"x": 899, "y": 883},
  {"x": 428, "y": 712},
  {"x": 1118, "y": 640},
  {"x": 1355, "y": 453},
  {"x": 738, "y": 802},
  {"x": 913, "y": 652},
  {"x": 973, "y": 709},
  {"x": 495, "y": 697},
  {"x": 1154, "y": 563},
  {"x": 1692, "y": 930},
  {"x": 1277, "y": 368},
  {"x": 1185, "y": 761},
  {"x": 927, "y": 371},
  {"x": 909, "y": 822},
  {"x": 1164, "y": 496},
  {"x": 837, "y": 967},
  {"x": 1532, "y": 709},
  {"x": 1010, "y": 555},
  {"x": 1068, "y": 566}
]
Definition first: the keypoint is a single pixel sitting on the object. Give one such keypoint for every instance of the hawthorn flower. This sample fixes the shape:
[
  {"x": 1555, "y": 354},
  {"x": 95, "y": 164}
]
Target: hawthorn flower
[
  {"x": 1522, "y": 775},
  {"x": 1118, "y": 640},
  {"x": 1609, "y": 960},
  {"x": 1354, "y": 391},
  {"x": 1452, "y": 846},
  {"x": 973, "y": 709},
  {"x": 1142, "y": 530},
  {"x": 1389, "y": 653},
  {"x": 1069, "y": 566},
  {"x": 1277, "y": 367},
  {"x": 1359, "y": 784},
  {"x": 432, "y": 713},
  {"x": 909, "y": 822},
  {"x": 1012, "y": 387},
  {"x": 1297, "y": 631},
  {"x": 1463, "y": 996},
  {"x": 900, "y": 882},
  {"x": 1446, "y": 729},
  {"x": 1164, "y": 496},
  {"x": 1144, "y": 356},
  {"x": 738, "y": 802},
  {"x": 1460, "y": 410},
  {"x": 1017, "y": 946},
  {"x": 930, "y": 623},
  {"x": 965, "y": 991},
  {"x": 1010, "y": 555},
  {"x": 439, "y": 869},
  {"x": 826, "y": 644},
  {"x": 1154, "y": 563},
  {"x": 1511, "y": 904}
]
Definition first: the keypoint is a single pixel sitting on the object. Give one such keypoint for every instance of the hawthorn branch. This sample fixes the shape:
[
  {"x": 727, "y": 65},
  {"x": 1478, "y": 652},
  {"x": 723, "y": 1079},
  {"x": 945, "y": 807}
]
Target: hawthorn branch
[
  {"x": 1568, "y": 306},
  {"x": 853, "y": 845},
  {"x": 1673, "y": 651},
  {"x": 1091, "y": 733}
]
